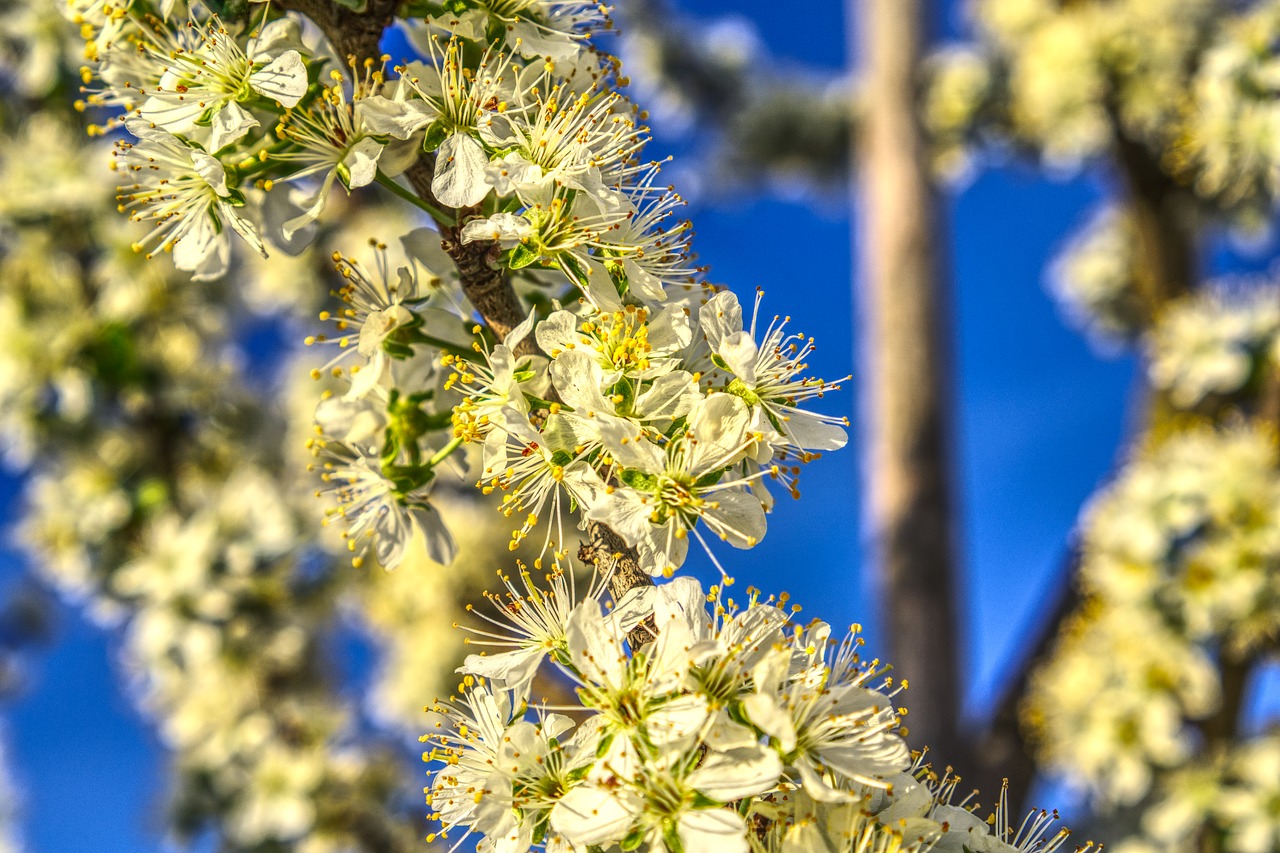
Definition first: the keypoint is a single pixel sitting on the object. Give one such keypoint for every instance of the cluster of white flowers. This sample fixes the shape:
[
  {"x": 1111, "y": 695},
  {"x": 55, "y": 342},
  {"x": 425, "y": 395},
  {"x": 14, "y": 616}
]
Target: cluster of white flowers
[
  {"x": 728, "y": 726},
  {"x": 1190, "y": 528},
  {"x": 1233, "y": 154},
  {"x": 1216, "y": 343},
  {"x": 649, "y": 404},
  {"x": 1181, "y": 565},
  {"x": 613, "y": 388},
  {"x": 958, "y": 92},
  {"x": 1074, "y": 76},
  {"x": 664, "y": 419},
  {"x": 1232, "y": 795},
  {"x": 159, "y": 496},
  {"x": 1113, "y": 703},
  {"x": 1093, "y": 279}
]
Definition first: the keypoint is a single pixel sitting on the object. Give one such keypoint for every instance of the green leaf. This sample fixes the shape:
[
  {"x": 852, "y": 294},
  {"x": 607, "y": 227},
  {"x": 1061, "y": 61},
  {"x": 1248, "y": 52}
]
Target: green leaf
[
  {"x": 456, "y": 7},
  {"x": 574, "y": 269}
]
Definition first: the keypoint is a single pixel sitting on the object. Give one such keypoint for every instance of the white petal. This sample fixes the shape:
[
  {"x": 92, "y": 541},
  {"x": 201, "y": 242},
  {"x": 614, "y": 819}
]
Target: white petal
[
  {"x": 589, "y": 815},
  {"x": 671, "y": 396},
  {"x": 739, "y": 518},
  {"x": 284, "y": 79},
  {"x": 400, "y": 119},
  {"x": 361, "y": 162},
  {"x": 741, "y": 773},
  {"x": 720, "y": 317},
  {"x": 459, "y": 179},
  {"x": 720, "y": 830},
  {"x": 719, "y": 422},
  {"x": 763, "y": 711},
  {"x": 810, "y": 432},
  {"x": 211, "y": 170},
  {"x": 739, "y": 351},
  {"x": 230, "y": 124}
]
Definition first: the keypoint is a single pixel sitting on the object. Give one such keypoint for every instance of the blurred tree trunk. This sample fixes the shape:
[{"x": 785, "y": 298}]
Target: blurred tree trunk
[{"x": 904, "y": 362}]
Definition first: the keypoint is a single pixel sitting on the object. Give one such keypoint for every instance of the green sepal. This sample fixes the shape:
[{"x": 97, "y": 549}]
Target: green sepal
[
  {"x": 633, "y": 839},
  {"x": 671, "y": 837},
  {"x": 639, "y": 480},
  {"x": 575, "y": 269},
  {"x": 628, "y": 393},
  {"x": 619, "y": 276},
  {"x": 521, "y": 256},
  {"x": 719, "y": 362},
  {"x": 437, "y": 133},
  {"x": 708, "y": 480}
]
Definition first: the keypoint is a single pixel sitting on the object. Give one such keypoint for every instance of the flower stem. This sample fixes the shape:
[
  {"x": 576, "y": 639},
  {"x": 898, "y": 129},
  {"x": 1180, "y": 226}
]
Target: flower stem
[
  {"x": 436, "y": 213},
  {"x": 445, "y": 452}
]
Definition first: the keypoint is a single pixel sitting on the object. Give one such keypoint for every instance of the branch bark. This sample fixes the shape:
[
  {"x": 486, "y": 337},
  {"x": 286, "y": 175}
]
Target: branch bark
[{"x": 907, "y": 459}]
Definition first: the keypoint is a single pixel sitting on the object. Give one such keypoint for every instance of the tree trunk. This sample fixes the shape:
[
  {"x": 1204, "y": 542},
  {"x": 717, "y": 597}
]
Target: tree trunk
[{"x": 906, "y": 417}]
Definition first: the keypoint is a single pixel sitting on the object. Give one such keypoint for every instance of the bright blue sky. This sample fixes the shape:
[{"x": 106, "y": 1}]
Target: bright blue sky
[{"x": 1039, "y": 419}]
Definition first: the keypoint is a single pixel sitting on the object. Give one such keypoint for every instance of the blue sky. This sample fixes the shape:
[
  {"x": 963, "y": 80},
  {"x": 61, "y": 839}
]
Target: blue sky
[{"x": 1039, "y": 420}]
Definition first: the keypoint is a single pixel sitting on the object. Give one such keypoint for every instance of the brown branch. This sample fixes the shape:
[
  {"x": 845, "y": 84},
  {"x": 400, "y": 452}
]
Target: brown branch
[{"x": 354, "y": 35}]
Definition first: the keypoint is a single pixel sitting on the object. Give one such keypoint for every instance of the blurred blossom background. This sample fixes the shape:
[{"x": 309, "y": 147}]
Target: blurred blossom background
[{"x": 188, "y": 659}]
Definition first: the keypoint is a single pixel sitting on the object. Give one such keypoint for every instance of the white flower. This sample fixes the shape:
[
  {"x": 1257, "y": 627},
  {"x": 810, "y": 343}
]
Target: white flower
[
  {"x": 206, "y": 81},
  {"x": 351, "y": 138},
  {"x": 832, "y": 730},
  {"x": 768, "y": 374},
  {"x": 184, "y": 192},
  {"x": 375, "y": 310},
  {"x": 277, "y": 802},
  {"x": 378, "y": 512},
  {"x": 1248, "y": 807},
  {"x": 673, "y": 489},
  {"x": 1212, "y": 343},
  {"x": 461, "y": 100}
]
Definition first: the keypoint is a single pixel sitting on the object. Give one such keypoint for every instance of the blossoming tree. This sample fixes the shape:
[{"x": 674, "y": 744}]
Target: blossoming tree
[{"x": 534, "y": 323}]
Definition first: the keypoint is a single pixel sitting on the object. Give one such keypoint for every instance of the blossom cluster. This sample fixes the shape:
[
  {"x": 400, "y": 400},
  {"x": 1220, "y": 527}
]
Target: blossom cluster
[
  {"x": 1231, "y": 793},
  {"x": 161, "y": 499},
  {"x": 1093, "y": 279},
  {"x": 1181, "y": 566},
  {"x": 1220, "y": 343},
  {"x": 633, "y": 394},
  {"x": 715, "y": 724},
  {"x": 1190, "y": 81}
]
